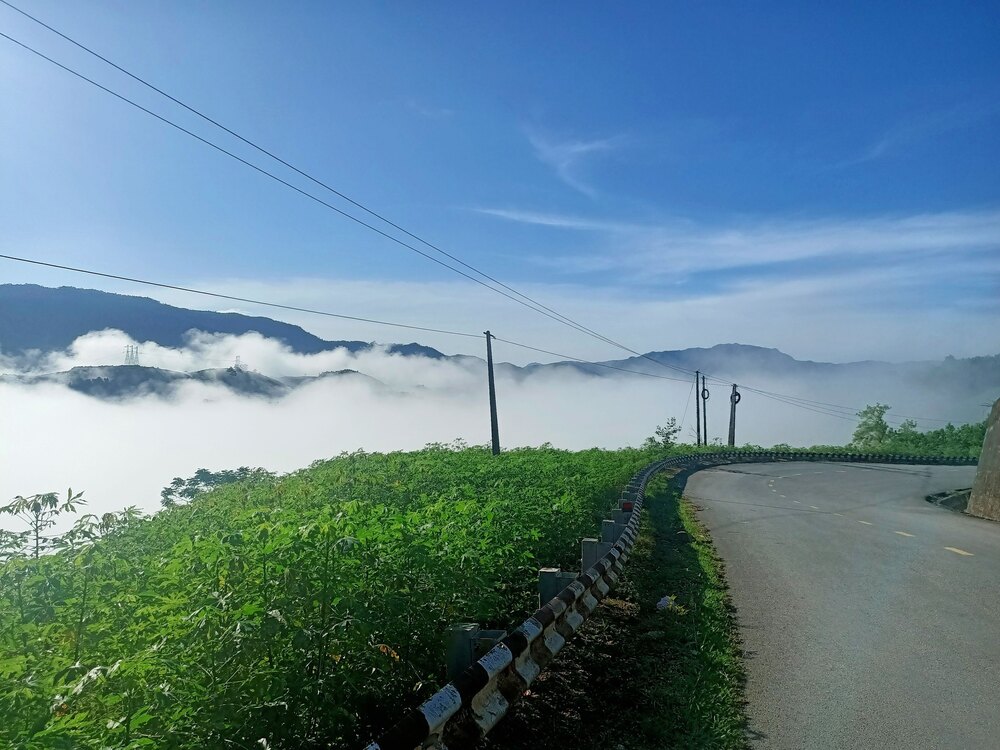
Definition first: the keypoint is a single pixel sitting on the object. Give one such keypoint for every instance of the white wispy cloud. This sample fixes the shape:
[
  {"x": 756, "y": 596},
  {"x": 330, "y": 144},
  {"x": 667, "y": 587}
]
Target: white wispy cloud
[
  {"x": 429, "y": 111},
  {"x": 920, "y": 126},
  {"x": 566, "y": 157},
  {"x": 560, "y": 221},
  {"x": 680, "y": 247}
]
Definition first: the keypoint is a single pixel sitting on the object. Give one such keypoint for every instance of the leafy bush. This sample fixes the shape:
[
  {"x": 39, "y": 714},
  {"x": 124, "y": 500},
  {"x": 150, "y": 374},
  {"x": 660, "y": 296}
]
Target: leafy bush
[
  {"x": 298, "y": 611},
  {"x": 874, "y": 434}
]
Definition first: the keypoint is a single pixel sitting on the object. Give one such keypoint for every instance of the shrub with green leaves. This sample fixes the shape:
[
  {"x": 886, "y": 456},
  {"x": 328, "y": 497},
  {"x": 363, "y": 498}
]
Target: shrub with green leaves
[{"x": 295, "y": 611}]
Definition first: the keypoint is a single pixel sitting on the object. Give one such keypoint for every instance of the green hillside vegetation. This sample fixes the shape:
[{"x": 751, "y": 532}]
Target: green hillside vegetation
[
  {"x": 304, "y": 610},
  {"x": 300, "y": 611},
  {"x": 874, "y": 434}
]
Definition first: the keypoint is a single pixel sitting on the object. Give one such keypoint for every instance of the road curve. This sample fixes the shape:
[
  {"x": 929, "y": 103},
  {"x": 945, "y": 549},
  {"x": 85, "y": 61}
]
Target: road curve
[{"x": 870, "y": 618}]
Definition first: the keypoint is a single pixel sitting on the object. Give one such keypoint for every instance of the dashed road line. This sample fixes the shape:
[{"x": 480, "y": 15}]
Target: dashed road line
[
  {"x": 866, "y": 523},
  {"x": 903, "y": 533},
  {"x": 839, "y": 514},
  {"x": 814, "y": 507},
  {"x": 958, "y": 551}
]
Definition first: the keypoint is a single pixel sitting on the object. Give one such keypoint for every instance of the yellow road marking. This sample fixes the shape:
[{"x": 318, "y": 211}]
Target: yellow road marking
[
  {"x": 866, "y": 523},
  {"x": 903, "y": 533},
  {"x": 958, "y": 551}
]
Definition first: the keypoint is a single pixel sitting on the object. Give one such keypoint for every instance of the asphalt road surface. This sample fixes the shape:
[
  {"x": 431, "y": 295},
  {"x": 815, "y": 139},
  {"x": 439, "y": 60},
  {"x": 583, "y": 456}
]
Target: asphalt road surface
[{"x": 870, "y": 617}]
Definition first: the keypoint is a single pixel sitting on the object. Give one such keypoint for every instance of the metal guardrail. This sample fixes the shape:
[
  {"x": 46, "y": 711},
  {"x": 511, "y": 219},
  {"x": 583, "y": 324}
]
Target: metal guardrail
[{"x": 474, "y": 702}]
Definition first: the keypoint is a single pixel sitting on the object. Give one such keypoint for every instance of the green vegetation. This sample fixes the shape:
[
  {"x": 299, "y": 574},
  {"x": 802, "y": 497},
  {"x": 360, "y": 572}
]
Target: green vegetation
[
  {"x": 665, "y": 436},
  {"x": 184, "y": 490},
  {"x": 305, "y": 610},
  {"x": 299, "y": 611},
  {"x": 661, "y": 656},
  {"x": 873, "y": 434}
]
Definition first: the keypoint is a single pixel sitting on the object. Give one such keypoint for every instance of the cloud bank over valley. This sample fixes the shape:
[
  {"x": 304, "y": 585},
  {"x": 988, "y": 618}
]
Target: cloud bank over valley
[{"x": 123, "y": 451}]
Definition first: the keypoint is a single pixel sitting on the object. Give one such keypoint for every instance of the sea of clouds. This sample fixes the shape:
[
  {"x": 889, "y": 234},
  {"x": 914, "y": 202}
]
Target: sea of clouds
[{"x": 122, "y": 453}]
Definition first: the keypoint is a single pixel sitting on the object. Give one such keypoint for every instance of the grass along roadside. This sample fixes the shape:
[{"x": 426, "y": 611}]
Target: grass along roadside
[{"x": 658, "y": 665}]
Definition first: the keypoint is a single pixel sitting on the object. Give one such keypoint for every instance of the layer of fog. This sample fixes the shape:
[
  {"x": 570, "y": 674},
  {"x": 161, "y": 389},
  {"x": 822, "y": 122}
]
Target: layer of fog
[
  {"x": 268, "y": 356},
  {"x": 123, "y": 453}
]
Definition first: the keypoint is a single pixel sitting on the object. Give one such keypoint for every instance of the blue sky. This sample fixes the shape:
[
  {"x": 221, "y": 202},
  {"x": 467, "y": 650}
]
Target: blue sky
[{"x": 820, "y": 178}]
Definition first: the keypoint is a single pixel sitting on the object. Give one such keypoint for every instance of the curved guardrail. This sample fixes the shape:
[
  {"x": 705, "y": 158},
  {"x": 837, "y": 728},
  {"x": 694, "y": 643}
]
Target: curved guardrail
[{"x": 473, "y": 703}]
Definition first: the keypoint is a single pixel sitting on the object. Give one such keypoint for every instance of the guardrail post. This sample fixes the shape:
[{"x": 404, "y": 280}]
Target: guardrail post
[
  {"x": 551, "y": 581},
  {"x": 464, "y": 643},
  {"x": 610, "y": 531},
  {"x": 592, "y": 550},
  {"x": 621, "y": 516},
  {"x": 459, "y": 646}
]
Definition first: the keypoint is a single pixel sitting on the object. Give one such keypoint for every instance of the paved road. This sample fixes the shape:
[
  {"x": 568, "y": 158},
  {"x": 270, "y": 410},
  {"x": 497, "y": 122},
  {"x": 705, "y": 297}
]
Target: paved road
[{"x": 871, "y": 618}]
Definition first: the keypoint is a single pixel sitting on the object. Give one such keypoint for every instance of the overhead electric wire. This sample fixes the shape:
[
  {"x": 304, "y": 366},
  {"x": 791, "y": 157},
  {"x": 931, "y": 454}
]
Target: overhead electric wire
[
  {"x": 534, "y": 304},
  {"x": 687, "y": 404},
  {"x": 234, "y": 298},
  {"x": 838, "y": 415},
  {"x": 297, "y": 189},
  {"x": 587, "y": 361},
  {"x": 305, "y": 174},
  {"x": 852, "y": 410},
  {"x": 823, "y": 406},
  {"x": 524, "y": 300}
]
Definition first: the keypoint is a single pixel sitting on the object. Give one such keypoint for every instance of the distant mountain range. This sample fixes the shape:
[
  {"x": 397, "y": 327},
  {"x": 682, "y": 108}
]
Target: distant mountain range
[
  {"x": 35, "y": 318},
  {"x": 45, "y": 319},
  {"x": 130, "y": 381}
]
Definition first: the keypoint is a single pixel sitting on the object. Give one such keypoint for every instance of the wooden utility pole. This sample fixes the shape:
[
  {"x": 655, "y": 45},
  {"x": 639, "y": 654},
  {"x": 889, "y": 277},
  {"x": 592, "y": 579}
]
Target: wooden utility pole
[
  {"x": 697, "y": 403},
  {"x": 704, "y": 408},
  {"x": 494, "y": 427},
  {"x": 734, "y": 398}
]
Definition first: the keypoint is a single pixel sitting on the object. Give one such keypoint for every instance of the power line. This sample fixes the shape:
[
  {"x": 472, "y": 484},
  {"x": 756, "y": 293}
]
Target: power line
[
  {"x": 852, "y": 410},
  {"x": 407, "y": 326},
  {"x": 587, "y": 361},
  {"x": 297, "y": 189},
  {"x": 534, "y": 306},
  {"x": 524, "y": 300},
  {"x": 234, "y": 298},
  {"x": 686, "y": 405},
  {"x": 303, "y": 173},
  {"x": 230, "y": 297}
]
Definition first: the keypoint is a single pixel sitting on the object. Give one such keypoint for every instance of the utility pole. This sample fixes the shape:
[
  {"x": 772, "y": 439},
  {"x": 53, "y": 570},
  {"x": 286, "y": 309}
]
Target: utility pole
[
  {"x": 494, "y": 427},
  {"x": 704, "y": 407},
  {"x": 734, "y": 398},
  {"x": 697, "y": 403}
]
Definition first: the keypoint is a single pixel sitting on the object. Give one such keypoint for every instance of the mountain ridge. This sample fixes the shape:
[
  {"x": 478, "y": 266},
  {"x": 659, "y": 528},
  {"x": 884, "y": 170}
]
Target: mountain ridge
[
  {"x": 34, "y": 317},
  {"x": 38, "y": 318}
]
